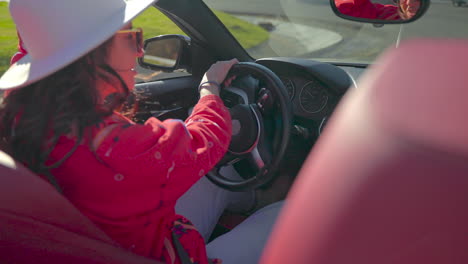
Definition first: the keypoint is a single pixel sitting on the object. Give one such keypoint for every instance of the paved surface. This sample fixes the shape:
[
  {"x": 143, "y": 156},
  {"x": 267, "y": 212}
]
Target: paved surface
[
  {"x": 359, "y": 42},
  {"x": 299, "y": 39}
]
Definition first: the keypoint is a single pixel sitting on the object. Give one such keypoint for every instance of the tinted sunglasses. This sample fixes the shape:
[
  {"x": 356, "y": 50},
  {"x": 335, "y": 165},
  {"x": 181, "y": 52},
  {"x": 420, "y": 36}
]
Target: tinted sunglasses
[{"x": 137, "y": 33}]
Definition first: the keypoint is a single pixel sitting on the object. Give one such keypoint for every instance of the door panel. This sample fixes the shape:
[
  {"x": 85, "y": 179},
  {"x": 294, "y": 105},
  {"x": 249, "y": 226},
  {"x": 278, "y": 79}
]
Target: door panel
[{"x": 169, "y": 98}]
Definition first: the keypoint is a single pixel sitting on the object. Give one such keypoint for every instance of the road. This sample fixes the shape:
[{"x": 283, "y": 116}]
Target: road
[
  {"x": 360, "y": 42},
  {"x": 442, "y": 20}
]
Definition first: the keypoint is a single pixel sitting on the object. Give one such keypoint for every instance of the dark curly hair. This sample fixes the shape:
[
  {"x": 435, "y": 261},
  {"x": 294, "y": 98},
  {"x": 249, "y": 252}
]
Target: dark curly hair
[{"x": 65, "y": 103}]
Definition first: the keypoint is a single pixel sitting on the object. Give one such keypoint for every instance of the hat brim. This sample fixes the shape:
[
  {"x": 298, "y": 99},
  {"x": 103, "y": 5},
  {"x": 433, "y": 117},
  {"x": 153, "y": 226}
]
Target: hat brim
[{"x": 28, "y": 70}]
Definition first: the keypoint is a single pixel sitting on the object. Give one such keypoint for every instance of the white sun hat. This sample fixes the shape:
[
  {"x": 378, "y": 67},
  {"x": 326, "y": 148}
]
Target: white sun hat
[{"x": 55, "y": 33}]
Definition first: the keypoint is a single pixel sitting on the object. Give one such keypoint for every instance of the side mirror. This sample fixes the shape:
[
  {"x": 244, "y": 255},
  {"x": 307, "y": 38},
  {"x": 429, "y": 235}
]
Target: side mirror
[
  {"x": 166, "y": 53},
  {"x": 380, "y": 11}
]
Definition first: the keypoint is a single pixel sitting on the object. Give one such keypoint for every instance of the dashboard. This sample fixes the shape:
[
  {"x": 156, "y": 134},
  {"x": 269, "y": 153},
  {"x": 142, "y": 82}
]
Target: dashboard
[
  {"x": 310, "y": 98},
  {"x": 314, "y": 89}
]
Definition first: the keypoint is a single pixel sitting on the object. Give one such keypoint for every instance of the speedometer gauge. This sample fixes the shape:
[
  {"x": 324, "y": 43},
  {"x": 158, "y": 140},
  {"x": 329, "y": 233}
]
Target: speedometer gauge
[
  {"x": 313, "y": 97},
  {"x": 289, "y": 87}
]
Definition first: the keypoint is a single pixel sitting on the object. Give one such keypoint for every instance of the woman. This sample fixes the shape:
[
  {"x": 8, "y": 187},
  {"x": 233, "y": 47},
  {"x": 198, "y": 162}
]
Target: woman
[{"x": 60, "y": 121}]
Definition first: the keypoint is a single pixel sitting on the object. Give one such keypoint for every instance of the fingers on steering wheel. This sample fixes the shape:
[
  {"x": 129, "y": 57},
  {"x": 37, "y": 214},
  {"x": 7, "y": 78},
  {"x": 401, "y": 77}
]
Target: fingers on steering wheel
[{"x": 229, "y": 80}]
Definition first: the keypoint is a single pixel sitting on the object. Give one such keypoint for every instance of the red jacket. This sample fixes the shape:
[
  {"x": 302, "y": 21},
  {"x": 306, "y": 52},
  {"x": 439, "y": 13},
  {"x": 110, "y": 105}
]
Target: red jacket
[
  {"x": 127, "y": 177},
  {"x": 367, "y": 9}
]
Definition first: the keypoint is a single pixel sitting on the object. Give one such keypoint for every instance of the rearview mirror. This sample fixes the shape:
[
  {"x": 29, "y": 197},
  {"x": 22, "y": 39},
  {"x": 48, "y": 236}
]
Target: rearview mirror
[
  {"x": 380, "y": 11},
  {"x": 166, "y": 53}
]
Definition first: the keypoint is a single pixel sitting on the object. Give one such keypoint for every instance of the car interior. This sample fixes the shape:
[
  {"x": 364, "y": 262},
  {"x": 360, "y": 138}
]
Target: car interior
[{"x": 372, "y": 159}]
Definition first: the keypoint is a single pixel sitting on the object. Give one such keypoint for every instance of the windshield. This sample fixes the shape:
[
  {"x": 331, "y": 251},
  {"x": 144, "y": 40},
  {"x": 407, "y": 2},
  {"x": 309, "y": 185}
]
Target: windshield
[{"x": 310, "y": 29}]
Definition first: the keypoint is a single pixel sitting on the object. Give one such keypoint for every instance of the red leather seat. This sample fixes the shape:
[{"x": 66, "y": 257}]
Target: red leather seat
[
  {"x": 388, "y": 180},
  {"x": 38, "y": 225}
]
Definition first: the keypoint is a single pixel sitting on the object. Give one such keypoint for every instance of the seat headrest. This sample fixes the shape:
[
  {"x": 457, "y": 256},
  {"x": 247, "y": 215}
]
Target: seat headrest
[
  {"x": 25, "y": 194},
  {"x": 38, "y": 225},
  {"x": 387, "y": 182}
]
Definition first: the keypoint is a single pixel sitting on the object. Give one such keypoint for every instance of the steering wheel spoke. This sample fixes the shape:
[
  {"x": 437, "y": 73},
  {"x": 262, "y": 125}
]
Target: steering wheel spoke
[
  {"x": 257, "y": 160},
  {"x": 265, "y": 101}
]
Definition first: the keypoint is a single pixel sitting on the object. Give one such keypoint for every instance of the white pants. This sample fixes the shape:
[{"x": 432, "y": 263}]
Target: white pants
[{"x": 204, "y": 203}]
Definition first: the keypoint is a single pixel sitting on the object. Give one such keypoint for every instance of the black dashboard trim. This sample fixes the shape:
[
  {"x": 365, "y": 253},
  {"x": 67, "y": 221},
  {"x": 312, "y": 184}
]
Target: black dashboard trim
[{"x": 332, "y": 76}]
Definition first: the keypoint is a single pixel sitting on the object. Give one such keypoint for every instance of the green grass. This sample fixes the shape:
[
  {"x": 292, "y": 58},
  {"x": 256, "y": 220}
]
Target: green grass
[
  {"x": 8, "y": 39},
  {"x": 152, "y": 21},
  {"x": 249, "y": 35}
]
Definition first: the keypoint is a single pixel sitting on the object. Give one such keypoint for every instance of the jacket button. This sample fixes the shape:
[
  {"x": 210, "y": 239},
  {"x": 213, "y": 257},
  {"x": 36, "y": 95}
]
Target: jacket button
[
  {"x": 157, "y": 155},
  {"x": 118, "y": 177}
]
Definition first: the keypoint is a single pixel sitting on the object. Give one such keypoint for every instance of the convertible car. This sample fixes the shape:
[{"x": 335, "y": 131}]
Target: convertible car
[{"x": 362, "y": 123}]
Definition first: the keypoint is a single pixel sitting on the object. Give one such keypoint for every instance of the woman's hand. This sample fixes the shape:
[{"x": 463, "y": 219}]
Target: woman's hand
[{"x": 211, "y": 81}]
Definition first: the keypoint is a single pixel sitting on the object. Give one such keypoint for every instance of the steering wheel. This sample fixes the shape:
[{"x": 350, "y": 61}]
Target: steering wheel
[{"x": 251, "y": 143}]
